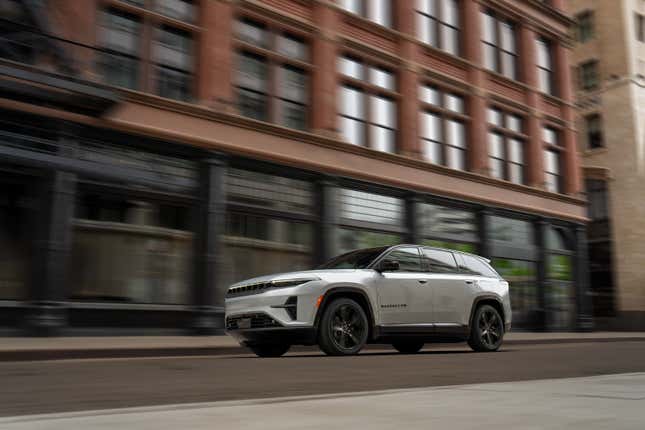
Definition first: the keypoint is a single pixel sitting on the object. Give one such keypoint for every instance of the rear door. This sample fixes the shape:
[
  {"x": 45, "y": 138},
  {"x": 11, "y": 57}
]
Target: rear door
[
  {"x": 446, "y": 284},
  {"x": 403, "y": 298}
]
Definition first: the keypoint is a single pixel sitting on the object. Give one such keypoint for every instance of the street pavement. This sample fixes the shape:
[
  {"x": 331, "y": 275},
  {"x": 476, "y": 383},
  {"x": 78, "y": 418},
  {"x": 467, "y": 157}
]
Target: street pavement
[
  {"x": 57, "y": 386},
  {"x": 597, "y": 402}
]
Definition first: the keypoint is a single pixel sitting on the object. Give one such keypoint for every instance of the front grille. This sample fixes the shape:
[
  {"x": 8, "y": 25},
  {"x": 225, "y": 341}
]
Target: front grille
[
  {"x": 257, "y": 320},
  {"x": 248, "y": 289}
]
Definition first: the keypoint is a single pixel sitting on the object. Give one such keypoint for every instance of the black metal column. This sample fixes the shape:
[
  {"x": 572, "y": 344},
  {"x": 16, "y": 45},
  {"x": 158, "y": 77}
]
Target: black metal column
[
  {"x": 208, "y": 303},
  {"x": 483, "y": 222},
  {"x": 46, "y": 314},
  {"x": 584, "y": 318},
  {"x": 413, "y": 233},
  {"x": 541, "y": 229},
  {"x": 326, "y": 234}
]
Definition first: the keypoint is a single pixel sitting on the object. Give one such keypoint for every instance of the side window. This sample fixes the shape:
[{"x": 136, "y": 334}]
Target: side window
[
  {"x": 438, "y": 261},
  {"x": 475, "y": 266},
  {"x": 408, "y": 258}
]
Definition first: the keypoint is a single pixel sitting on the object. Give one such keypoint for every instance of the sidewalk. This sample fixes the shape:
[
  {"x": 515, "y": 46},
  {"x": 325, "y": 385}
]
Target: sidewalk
[{"x": 34, "y": 348}]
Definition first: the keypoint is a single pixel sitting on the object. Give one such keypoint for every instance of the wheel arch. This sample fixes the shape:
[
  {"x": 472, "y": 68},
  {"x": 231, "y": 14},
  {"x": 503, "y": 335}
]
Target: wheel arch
[
  {"x": 487, "y": 299},
  {"x": 357, "y": 294}
]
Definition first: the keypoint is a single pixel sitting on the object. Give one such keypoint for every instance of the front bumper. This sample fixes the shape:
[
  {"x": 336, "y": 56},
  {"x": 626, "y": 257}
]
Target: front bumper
[{"x": 277, "y": 335}]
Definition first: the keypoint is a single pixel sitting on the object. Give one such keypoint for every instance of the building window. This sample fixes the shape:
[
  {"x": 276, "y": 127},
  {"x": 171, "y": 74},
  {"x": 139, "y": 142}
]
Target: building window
[
  {"x": 585, "y": 26},
  {"x": 438, "y": 24},
  {"x": 500, "y": 45},
  {"x": 598, "y": 208},
  {"x": 173, "y": 62},
  {"x": 594, "y": 131},
  {"x": 378, "y": 11},
  {"x": 272, "y": 87},
  {"x": 367, "y": 106},
  {"x": 589, "y": 75},
  {"x": 640, "y": 27},
  {"x": 119, "y": 36},
  {"x": 545, "y": 66},
  {"x": 169, "y": 51},
  {"x": 506, "y": 146},
  {"x": 443, "y": 131},
  {"x": 552, "y": 162}
]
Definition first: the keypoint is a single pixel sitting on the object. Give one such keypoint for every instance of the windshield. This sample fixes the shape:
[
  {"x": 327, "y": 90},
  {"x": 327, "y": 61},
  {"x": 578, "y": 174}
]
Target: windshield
[{"x": 354, "y": 260}]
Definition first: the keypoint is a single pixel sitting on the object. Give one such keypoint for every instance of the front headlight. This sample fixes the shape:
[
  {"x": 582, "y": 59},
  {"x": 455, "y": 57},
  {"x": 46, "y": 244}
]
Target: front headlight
[
  {"x": 283, "y": 283},
  {"x": 261, "y": 286}
]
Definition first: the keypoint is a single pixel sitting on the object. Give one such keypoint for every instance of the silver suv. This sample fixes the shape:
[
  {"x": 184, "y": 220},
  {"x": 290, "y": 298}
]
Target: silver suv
[{"x": 404, "y": 295}]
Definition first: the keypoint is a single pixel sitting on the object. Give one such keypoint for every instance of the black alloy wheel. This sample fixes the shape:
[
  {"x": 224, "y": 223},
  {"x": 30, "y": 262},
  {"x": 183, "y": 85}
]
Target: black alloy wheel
[
  {"x": 343, "y": 328},
  {"x": 487, "y": 330}
]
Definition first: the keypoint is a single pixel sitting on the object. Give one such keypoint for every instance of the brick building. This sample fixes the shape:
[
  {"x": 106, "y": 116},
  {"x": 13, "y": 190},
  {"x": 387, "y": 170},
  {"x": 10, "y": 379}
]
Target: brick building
[
  {"x": 155, "y": 151},
  {"x": 609, "y": 68}
]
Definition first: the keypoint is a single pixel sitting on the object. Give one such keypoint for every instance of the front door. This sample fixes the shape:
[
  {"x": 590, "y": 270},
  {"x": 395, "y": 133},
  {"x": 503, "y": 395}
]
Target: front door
[{"x": 404, "y": 296}]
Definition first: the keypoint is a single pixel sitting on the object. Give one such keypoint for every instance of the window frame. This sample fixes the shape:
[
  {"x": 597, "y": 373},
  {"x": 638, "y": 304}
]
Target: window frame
[
  {"x": 586, "y": 32},
  {"x": 596, "y": 135},
  {"x": 386, "y": 255},
  {"x": 275, "y": 61},
  {"x": 558, "y": 150},
  {"x": 639, "y": 26},
  {"x": 150, "y": 23},
  {"x": 368, "y": 89},
  {"x": 427, "y": 268},
  {"x": 445, "y": 115},
  {"x": 499, "y": 20},
  {"x": 550, "y": 71},
  {"x": 583, "y": 73},
  {"x": 508, "y": 135},
  {"x": 439, "y": 23},
  {"x": 364, "y": 12}
]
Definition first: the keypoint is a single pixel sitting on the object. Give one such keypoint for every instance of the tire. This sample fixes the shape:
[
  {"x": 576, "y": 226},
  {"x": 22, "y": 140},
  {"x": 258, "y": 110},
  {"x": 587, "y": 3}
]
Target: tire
[
  {"x": 408, "y": 346},
  {"x": 269, "y": 350},
  {"x": 487, "y": 330},
  {"x": 344, "y": 328}
]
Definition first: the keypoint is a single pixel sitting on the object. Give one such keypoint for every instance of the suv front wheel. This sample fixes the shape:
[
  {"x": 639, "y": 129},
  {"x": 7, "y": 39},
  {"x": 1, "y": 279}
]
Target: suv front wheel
[
  {"x": 487, "y": 330},
  {"x": 343, "y": 328}
]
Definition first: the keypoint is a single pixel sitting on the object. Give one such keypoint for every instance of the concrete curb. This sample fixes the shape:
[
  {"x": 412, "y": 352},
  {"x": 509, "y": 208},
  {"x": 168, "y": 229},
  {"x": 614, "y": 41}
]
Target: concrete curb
[{"x": 151, "y": 352}]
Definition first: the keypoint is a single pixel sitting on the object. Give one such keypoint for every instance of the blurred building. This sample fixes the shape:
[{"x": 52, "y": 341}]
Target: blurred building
[
  {"x": 156, "y": 151},
  {"x": 609, "y": 69}
]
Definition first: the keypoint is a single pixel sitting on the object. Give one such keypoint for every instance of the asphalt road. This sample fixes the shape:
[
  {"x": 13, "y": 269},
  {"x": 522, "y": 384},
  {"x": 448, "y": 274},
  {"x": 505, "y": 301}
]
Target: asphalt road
[{"x": 76, "y": 385}]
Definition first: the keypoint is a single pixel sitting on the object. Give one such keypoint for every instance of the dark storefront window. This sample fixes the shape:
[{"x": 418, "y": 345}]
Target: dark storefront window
[
  {"x": 272, "y": 87},
  {"x": 268, "y": 227},
  {"x": 447, "y": 227},
  {"x": 130, "y": 250},
  {"x": 560, "y": 298},
  {"x": 514, "y": 256},
  {"x": 17, "y": 210},
  {"x": 369, "y": 220},
  {"x": 600, "y": 248}
]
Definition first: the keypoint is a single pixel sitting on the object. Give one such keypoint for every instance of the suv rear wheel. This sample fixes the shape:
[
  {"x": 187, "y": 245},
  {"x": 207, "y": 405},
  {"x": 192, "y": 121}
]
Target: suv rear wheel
[
  {"x": 343, "y": 328},
  {"x": 487, "y": 330}
]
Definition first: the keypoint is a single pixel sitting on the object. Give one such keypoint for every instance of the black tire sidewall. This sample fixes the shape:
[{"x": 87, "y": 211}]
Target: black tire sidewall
[
  {"x": 325, "y": 340},
  {"x": 475, "y": 340}
]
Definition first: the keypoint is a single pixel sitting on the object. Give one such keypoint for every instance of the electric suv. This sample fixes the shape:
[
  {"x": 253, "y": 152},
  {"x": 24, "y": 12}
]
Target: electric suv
[{"x": 404, "y": 295}]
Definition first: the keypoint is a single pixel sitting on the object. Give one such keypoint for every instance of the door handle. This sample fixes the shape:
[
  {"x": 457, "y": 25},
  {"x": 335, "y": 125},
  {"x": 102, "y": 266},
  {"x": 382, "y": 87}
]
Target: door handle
[
  {"x": 423, "y": 281},
  {"x": 470, "y": 282}
]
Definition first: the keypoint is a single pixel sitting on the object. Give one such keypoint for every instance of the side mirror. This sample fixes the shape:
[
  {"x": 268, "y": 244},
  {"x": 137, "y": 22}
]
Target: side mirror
[{"x": 388, "y": 266}]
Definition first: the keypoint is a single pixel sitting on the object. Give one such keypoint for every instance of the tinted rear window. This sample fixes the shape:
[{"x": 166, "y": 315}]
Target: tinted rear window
[
  {"x": 438, "y": 261},
  {"x": 476, "y": 266}
]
